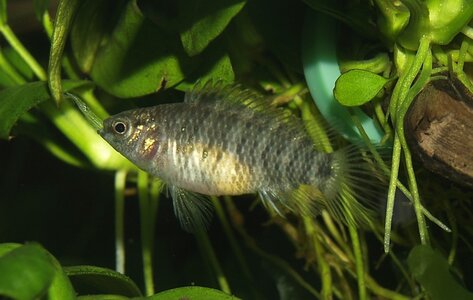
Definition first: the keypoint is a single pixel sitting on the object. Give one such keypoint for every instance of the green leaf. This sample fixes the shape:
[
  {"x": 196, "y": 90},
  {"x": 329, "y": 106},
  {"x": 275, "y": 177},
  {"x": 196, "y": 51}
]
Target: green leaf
[
  {"x": 139, "y": 58},
  {"x": 103, "y": 297},
  {"x": 432, "y": 270},
  {"x": 216, "y": 65},
  {"x": 192, "y": 292},
  {"x": 40, "y": 7},
  {"x": 25, "y": 273},
  {"x": 61, "y": 287},
  {"x": 356, "y": 87},
  {"x": 17, "y": 100},
  {"x": 204, "y": 21},
  {"x": 96, "y": 280},
  {"x": 92, "y": 26},
  {"x": 7, "y": 247},
  {"x": 64, "y": 16}
]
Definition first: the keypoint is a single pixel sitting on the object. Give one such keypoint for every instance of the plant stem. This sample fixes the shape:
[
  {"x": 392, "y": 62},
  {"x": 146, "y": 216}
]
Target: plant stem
[
  {"x": 468, "y": 31},
  {"x": 360, "y": 272},
  {"x": 65, "y": 13},
  {"x": 21, "y": 50},
  {"x": 207, "y": 249},
  {"x": 147, "y": 236},
  {"x": 120, "y": 181},
  {"x": 232, "y": 239},
  {"x": 276, "y": 261},
  {"x": 324, "y": 268}
]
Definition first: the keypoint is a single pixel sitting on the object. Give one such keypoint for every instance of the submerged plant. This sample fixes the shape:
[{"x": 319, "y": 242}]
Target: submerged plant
[{"x": 150, "y": 52}]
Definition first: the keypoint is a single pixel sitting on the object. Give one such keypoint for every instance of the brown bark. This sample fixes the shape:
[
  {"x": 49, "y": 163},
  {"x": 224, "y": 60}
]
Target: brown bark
[{"x": 439, "y": 129}]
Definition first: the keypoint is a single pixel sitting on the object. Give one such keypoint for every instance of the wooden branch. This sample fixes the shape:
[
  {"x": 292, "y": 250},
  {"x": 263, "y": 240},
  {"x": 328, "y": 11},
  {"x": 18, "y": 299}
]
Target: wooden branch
[{"x": 439, "y": 129}]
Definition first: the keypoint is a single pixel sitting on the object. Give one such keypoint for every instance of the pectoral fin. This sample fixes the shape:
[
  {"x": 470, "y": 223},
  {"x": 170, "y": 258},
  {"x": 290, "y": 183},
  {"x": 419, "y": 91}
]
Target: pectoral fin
[{"x": 191, "y": 209}]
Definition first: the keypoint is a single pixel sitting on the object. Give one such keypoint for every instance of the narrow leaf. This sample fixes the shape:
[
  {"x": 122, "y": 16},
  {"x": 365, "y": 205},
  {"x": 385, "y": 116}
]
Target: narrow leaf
[
  {"x": 17, "y": 100},
  {"x": 96, "y": 280},
  {"x": 64, "y": 16},
  {"x": 432, "y": 270},
  {"x": 356, "y": 87},
  {"x": 25, "y": 273}
]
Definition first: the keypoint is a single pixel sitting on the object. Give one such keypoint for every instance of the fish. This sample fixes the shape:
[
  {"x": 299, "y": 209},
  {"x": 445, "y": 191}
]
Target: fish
[{"x": 224, "y": 139}]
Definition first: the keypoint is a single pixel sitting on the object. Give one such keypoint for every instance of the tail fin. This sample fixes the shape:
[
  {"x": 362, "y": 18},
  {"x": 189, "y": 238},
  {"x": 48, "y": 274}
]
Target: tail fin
[
  {"x": 350, "y": 190},
  {"x": 355, "y": 187}
]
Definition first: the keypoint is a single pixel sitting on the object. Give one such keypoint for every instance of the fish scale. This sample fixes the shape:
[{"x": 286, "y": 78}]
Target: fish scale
[{"x": 227, "y": 141}]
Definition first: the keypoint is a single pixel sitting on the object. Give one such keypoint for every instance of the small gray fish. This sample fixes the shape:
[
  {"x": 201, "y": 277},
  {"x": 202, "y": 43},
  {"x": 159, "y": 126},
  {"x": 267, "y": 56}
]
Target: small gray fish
[{"x": 225, "y": 140}]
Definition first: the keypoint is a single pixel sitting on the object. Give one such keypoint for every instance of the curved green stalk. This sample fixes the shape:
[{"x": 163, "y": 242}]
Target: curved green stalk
[
  {"x": 64, "y": 16},
  {"x": 423, "y": 58}
]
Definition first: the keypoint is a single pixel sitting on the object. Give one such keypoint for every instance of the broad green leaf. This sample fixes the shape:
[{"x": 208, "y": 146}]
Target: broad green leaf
[
  {"x": 204, "y": 21},
  {"x": 216, "y": 65},
  {"x": 61, "y": 287},
  {"x": 432, "y": 270},
  {"x": 25, "y": 273},
  {"x": 92, "y": 26},
  {"x": 64, "y": 16},
  {"x": 139, "y": 58},
  {"x": 96, "y": 280},
  {"x": 192, "y": 293},
  {"x": 40, "y": 7},
  {"x": 7, "y": 247},
  {"x": 356, "y": 87},
  {"x": 17, "y": 100},
  {"x": 103, "y": 297}
]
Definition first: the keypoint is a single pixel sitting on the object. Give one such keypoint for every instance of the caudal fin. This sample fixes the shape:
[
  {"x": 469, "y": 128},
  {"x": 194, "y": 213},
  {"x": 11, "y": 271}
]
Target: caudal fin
[{"x": 356, "y": 186}]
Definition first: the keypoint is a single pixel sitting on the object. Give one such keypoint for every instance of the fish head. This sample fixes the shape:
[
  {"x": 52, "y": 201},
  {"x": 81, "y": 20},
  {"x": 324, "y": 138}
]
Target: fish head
[
  {"x": 132, "y": 133},
  {"x": 120, "y": 131}
]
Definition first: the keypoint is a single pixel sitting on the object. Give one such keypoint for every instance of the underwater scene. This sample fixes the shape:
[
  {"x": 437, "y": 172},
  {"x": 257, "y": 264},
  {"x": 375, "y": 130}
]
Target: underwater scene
[{"x": 235, "y": 149}]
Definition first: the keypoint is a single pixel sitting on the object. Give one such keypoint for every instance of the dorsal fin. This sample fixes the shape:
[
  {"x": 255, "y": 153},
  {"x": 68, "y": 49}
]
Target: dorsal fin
[
  {"x": 226, "y": 96},
  {"x": 219, "y": 91}
]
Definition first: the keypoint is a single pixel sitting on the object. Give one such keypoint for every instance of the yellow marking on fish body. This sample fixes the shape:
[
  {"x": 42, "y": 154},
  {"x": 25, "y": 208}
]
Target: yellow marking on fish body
[
  {"x": 214, "y": 171},
  {"x": 149, "y": 142},
  {"x": 136, "y": 134}
]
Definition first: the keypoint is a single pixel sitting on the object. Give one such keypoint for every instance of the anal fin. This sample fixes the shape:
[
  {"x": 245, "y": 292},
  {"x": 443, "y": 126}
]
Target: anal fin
[
  {"x": 302, "y": 200},
  {"x": 194, "y": 211}
]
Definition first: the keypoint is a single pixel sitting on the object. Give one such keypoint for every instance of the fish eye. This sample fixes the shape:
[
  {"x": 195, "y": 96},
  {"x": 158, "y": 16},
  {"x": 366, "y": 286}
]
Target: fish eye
[{"x": 119, "y": 127}]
